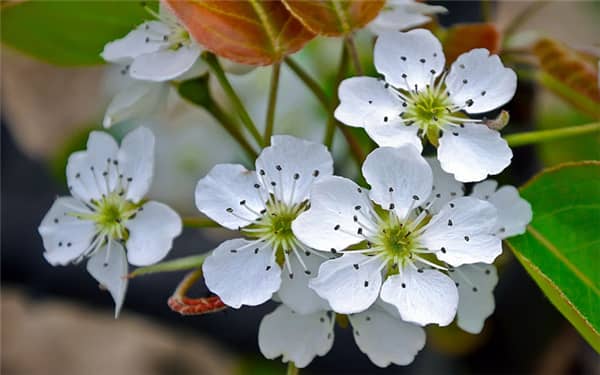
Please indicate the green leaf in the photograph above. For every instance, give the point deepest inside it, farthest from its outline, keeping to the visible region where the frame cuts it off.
(68, 32)
(561, 246)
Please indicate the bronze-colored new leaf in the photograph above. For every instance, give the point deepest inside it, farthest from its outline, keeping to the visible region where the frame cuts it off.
(254, 32)
(334, 17)
(464, 37)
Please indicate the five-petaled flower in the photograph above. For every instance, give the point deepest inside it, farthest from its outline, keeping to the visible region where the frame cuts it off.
(392, 246)
(398, 15)
(107, 218)
(418, 99)
(262, 205)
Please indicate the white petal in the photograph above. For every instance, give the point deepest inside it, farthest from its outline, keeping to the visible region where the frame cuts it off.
(298, 338)
(91, 173)
(291, 165)
(65, 237)
(230, 195)
(294, 291)
(399, 15)
(138, 100)
(151, 233)
(488, 83)
(408, 59)
(146, 38)
(444, 189)
(240, 275)
(476, 284)
(385, 339)
(514, 212)
(329, 224)
(473, 152)
(348, 283)
(136, 162)
(395, 134)
(398, 176)
(109, 267)
(365, 101)
(165, 64)
(422, 297)
(461, 232)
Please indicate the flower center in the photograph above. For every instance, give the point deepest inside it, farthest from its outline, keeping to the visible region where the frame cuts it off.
(111, 214)
(430, 109)
(276, 224)
(396, 241)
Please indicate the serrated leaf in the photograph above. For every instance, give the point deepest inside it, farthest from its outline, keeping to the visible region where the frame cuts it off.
(67, 32)
(334, 17)
(250, 32)
(561, 246)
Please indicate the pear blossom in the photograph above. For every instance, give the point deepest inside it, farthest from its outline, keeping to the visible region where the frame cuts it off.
(392, 248)
(157, 50)
(476, 282)
(398, 15)
(107, 219)
(418, 99)
(262, 205)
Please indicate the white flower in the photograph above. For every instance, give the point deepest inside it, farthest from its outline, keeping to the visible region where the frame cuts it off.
(417, 99)
(138, 100)
(398, 15)
(158, 50)
(378, 332)
(401, 251)
(106, 213)
(476, 282)
(263, 205)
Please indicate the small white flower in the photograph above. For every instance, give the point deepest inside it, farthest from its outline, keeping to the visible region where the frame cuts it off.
(401, 251)
(262, 205)
(398, 15)
(106, 212)
(158, 50)
(379, 333)
(476, 282)
(138, 100)
(417, 99)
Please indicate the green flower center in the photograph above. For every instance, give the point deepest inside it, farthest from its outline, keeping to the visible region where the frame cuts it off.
(430, 109)
(276, 224)
(111, 214)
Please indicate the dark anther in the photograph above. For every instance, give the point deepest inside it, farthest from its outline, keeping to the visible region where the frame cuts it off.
(242, 202)
(451, 205)
(229, 209)
(357, 208)
(432, 71)
(403, 75)
(333, 251)
(415, 197)
(474, 289)
(465, 81)
(456, 283)
(359, 231)
(59, 244)
(467, 238)
(387, 85)
(385, 119)
(273, 183)
(263, 211)
(356, 266)
(420, 270)
(392, 206)
(359, 190)
(296, 176)
(438, 195)
(233, 251)
(256, 251)
(278, 167)
(256, 186)
(78, 175)
(443, 250)
(355, 218)
(315, 173)
(483, 93)
(370, 102)
(422, 61)
(403, 285)
(322, 320)
(462, 66)
(105, 173)
(262, 172)
(366, 284)
(129, 179)
(469, 102)
(455, 134)
(56, 221)
(449, 223)
(336, 227)
(267, 268)
(307, 272)
(403, 58)
(404, 104)
(390, 189)
(69, 244)
(487, 272)
(291, 275)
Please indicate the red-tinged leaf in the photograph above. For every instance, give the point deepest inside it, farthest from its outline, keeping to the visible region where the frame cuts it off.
(462, 38)
(254, 32)
(334, 17)
(196, 306)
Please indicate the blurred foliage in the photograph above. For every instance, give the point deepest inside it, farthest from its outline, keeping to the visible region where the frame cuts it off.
(68, 32)
(462, 38)
(554, 115)
(454, 341)
(560, 247)
(259, 366)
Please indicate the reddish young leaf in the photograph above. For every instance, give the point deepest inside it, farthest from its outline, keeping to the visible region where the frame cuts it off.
(464, 37)
(254, 32)
(196, 306)
(334, 17)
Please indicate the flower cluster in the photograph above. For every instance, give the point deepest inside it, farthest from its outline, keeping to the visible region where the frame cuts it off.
(409, 250)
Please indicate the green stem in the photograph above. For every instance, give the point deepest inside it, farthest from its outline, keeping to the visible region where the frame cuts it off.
(292, 369)
(354, 54)
(308, 81)
(355, 148)
(528, 138)
(214, 64)
(228, 125)
(199, 222)
(185, 263)
(330, 128)
(270, 119)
